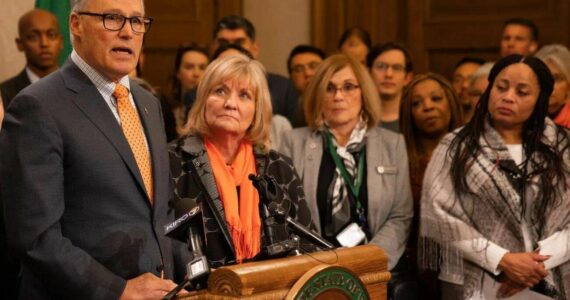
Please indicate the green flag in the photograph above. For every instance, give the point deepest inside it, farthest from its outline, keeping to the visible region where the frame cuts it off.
(61, 9)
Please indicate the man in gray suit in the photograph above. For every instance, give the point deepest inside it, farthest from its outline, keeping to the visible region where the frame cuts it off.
(41, 42)
(84, 169)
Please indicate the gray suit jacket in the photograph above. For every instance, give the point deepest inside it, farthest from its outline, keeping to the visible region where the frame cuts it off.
(77, 213)
(389, 193)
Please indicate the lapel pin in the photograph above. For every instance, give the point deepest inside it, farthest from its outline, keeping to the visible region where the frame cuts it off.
(145, 111)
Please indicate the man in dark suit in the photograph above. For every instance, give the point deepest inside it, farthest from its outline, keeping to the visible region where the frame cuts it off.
(239, 30)
(84, 169)
(41, 42)
(302, 64)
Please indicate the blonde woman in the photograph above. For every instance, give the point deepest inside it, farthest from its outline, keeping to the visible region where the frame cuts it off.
(226, 140)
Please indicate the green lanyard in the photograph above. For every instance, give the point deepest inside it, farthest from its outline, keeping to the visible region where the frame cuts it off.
(353, 187)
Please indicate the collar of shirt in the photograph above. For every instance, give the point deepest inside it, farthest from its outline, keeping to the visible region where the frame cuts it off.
(31, 75)
(105, 86)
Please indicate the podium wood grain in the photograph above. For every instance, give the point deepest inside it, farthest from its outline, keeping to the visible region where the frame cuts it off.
(272, 279)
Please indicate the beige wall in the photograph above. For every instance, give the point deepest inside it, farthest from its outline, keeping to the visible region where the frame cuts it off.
(11, 60)
(280, 25)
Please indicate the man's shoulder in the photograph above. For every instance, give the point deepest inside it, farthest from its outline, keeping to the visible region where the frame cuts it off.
(15, 84)
(18, 79)
(12, 86)
(47, 86)
(67, 80)
(55, 89)
(273, 78)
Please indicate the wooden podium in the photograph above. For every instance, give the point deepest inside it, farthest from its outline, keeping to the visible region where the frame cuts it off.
(346, 273)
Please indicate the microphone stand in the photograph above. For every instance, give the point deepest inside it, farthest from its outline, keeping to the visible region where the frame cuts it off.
(276, 221)
(308, 234)
(275, 230)
(177, 289)
(197, 270)
(267, 188)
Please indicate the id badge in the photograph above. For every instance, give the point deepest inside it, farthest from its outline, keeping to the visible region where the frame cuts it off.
(351, 235)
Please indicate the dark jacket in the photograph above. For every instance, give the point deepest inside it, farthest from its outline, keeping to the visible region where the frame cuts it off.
(77, 213)
(11, 87)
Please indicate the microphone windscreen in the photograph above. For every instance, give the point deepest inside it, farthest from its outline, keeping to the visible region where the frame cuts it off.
(178, 228)
(183, 206)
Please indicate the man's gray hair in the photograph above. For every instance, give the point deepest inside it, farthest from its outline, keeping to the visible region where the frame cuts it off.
(79, 5)
(557, 54)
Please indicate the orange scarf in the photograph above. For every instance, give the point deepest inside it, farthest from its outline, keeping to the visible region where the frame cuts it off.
(242, 216)
(563, 117)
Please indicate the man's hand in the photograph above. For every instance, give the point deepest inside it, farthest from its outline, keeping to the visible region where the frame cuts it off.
(147, 286)
(509, 288)
(525, 268)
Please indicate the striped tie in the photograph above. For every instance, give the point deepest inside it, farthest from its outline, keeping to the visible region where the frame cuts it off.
(132, 128)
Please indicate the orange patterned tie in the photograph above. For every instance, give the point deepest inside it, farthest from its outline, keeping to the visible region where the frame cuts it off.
(132, 128)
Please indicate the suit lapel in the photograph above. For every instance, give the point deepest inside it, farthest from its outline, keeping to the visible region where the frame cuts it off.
(13, 86)
(314, 154)
(90, 102)
(374, 183)
(22, 81)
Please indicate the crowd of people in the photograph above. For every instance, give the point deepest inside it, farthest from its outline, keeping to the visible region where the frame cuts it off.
(464, 183)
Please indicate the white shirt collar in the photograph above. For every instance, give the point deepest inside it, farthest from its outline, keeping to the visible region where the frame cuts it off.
(103, 85)
(31, 75)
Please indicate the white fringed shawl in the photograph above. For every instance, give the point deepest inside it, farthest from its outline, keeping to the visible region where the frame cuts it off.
(493, 211)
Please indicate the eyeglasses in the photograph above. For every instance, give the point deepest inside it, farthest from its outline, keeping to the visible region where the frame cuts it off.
(310, 66)
(116, 22)
(346, 89)
(396, 68)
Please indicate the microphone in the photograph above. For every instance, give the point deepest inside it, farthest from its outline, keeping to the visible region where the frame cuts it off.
(179, 228)
(187, 229)
(308, 234)
(275, 227)
(277, 213)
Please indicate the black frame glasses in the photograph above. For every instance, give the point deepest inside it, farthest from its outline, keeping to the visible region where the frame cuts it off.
(112, 21)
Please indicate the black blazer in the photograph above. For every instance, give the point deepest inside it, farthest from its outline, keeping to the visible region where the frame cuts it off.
(76, 210)
(284, 97)
(11, 87)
